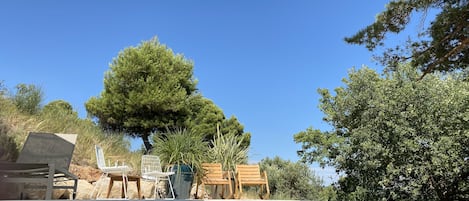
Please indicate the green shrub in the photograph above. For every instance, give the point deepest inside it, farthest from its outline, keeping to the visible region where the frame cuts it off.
(291, 180)
(180, 146)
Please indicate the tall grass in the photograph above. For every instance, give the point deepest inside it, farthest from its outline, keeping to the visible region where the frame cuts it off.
(15, 126)
(10, 122)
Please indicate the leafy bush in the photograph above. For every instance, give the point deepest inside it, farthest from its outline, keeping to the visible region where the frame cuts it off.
(291, 180)
(28, 98)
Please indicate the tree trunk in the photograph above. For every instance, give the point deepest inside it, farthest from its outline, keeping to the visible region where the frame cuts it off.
(147, 144)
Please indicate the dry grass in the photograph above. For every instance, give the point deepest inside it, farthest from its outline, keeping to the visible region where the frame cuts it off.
(15, 126)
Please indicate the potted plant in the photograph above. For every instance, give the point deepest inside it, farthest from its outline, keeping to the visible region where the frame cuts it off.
(184, 151)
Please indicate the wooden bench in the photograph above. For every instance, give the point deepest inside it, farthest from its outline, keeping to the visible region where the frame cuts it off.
(250, 175)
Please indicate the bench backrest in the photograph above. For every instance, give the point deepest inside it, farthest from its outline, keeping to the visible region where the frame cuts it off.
(248, 172)
(212, 170)
(48, 148)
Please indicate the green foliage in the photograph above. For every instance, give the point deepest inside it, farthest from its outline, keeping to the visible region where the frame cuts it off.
(28, 98)
(443, 46)
(291, 181)
(229, 150)
(233, 126)
(59, 106)
(393, 138)
(327, 193)
(180, 146)
(206, 117)
(146, 90)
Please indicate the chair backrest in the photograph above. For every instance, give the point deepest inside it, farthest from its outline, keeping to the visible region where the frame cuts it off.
(248, 172)
(48, 148)
(100, 160)
(212, 170)
(150, 163)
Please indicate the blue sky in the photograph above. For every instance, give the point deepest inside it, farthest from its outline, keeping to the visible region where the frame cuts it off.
(261, 61)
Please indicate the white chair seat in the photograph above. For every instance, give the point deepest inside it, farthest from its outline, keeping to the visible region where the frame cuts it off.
(158, 174)
(116, 169)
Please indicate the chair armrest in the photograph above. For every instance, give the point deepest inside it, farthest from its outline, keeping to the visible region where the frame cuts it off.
(67, 173)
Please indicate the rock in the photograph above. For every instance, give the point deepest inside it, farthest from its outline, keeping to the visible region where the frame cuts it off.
(87, 173)
(10, 191)
(84, 188)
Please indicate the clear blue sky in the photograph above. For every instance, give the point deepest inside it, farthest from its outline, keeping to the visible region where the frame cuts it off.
(261, 61)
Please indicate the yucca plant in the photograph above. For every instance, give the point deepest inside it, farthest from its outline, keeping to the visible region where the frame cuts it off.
(228, 149)
(180, 146)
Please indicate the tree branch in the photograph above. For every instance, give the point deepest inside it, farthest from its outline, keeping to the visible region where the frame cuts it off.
(464, 44)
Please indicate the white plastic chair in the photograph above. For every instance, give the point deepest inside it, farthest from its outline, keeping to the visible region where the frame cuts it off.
(151, 170)
(109, 169)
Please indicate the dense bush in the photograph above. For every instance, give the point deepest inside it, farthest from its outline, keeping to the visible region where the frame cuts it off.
(291, 180)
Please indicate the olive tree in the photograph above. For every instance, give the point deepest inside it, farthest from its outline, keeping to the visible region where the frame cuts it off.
(291, 180)
(393, 138)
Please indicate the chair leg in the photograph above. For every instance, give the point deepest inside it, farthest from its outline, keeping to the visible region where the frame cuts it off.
(156, 188)
(125, 181)
(222, 195)
(171, 188)
(75, 186)
(138, 189)
(240, 191)
(230, 189)
(268, 191)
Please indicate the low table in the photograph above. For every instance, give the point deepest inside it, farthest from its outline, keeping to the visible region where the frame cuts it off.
(119, 178)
